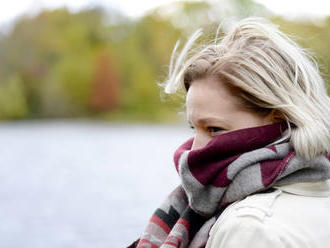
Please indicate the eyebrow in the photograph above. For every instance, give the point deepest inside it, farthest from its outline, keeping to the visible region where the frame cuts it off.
(209, 119)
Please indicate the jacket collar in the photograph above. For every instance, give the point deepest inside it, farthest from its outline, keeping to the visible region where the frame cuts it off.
(316, 189)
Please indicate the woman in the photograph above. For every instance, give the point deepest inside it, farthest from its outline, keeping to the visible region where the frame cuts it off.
(256, 172)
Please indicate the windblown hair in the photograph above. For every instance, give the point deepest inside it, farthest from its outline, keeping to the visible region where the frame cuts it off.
(268, 72)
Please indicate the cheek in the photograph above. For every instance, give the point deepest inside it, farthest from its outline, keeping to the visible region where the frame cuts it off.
(200, 140)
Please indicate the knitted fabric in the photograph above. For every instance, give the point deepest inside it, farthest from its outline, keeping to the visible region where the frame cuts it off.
(229, 168)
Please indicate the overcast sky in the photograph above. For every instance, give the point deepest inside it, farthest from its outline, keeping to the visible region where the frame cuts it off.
(134, 8)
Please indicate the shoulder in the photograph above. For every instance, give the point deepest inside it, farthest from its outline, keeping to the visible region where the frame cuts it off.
(246, 219)
(275, 219)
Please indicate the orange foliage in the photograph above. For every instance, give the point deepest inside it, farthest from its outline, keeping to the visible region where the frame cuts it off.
(105, 83)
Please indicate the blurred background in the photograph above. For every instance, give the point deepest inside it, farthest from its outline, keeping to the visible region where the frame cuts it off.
(86, 134)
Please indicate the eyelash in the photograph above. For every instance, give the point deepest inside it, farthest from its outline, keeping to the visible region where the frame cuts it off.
(191, 127)
(212, 129)
(209, 129)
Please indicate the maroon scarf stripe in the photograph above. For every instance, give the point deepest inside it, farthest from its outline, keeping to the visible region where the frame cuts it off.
(213, 172)
(270, 170)
(231, 144)
(208, 166)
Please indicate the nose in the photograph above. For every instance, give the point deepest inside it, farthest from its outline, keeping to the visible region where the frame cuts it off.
(200, 140)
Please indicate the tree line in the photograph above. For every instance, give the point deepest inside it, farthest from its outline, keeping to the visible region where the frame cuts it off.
(98, 63)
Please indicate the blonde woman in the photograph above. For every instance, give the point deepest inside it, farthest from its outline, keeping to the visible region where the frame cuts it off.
(256, 172)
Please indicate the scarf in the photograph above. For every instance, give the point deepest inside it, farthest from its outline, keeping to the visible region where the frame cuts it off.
(230, 167)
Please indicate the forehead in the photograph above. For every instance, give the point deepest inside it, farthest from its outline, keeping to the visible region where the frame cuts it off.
(208, 97)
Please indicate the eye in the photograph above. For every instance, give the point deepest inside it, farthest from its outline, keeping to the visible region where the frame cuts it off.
(192, 127)
(214, 130)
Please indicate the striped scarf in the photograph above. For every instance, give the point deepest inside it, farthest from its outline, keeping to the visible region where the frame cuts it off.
(230, 167)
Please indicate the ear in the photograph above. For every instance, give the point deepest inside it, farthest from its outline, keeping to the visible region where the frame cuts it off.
(276, 116)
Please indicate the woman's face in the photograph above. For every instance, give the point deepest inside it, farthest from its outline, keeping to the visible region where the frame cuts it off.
(212, 110)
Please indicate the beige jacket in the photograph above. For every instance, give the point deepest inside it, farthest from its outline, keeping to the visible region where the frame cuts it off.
(296, 215)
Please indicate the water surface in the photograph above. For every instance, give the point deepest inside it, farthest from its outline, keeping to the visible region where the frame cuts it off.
(83, 184)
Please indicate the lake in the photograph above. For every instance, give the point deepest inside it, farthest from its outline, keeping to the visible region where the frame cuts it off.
(83, 183)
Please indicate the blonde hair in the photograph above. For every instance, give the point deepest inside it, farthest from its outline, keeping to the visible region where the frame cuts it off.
(269, 72)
